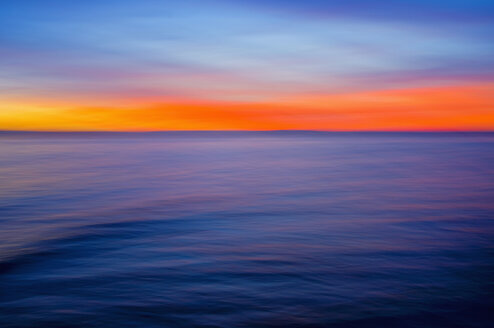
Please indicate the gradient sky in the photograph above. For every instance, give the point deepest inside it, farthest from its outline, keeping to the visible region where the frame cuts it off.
(255, 65)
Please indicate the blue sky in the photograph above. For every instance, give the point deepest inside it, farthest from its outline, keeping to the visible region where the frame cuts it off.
(248, 46)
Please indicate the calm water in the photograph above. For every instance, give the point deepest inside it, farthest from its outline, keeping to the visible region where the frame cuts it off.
(344, 230)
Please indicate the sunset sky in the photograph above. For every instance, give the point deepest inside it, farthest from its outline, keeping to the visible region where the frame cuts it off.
(246, 65)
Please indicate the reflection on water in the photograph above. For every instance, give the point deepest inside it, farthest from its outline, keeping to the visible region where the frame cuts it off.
(339, 230)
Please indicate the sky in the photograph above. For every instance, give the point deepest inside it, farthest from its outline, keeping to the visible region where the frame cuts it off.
(136, 65)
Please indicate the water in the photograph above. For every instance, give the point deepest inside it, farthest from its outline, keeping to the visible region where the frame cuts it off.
(246, 230)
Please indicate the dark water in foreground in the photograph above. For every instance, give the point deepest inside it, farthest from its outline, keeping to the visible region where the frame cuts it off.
(344, 230)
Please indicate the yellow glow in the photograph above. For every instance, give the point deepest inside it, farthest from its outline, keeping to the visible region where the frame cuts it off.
(444, 108)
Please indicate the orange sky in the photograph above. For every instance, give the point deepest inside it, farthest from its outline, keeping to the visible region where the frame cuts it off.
(468, 107)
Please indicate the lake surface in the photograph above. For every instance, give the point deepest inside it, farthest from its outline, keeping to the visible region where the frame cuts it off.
(246, 230)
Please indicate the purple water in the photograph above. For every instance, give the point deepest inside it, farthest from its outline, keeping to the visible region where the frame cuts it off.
(246, 230)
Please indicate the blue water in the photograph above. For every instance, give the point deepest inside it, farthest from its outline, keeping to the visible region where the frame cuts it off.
(246, 230)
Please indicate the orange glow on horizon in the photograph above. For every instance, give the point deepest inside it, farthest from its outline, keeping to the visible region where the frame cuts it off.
(440, 108)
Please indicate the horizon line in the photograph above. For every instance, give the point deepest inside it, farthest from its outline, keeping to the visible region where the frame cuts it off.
(245, 131)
